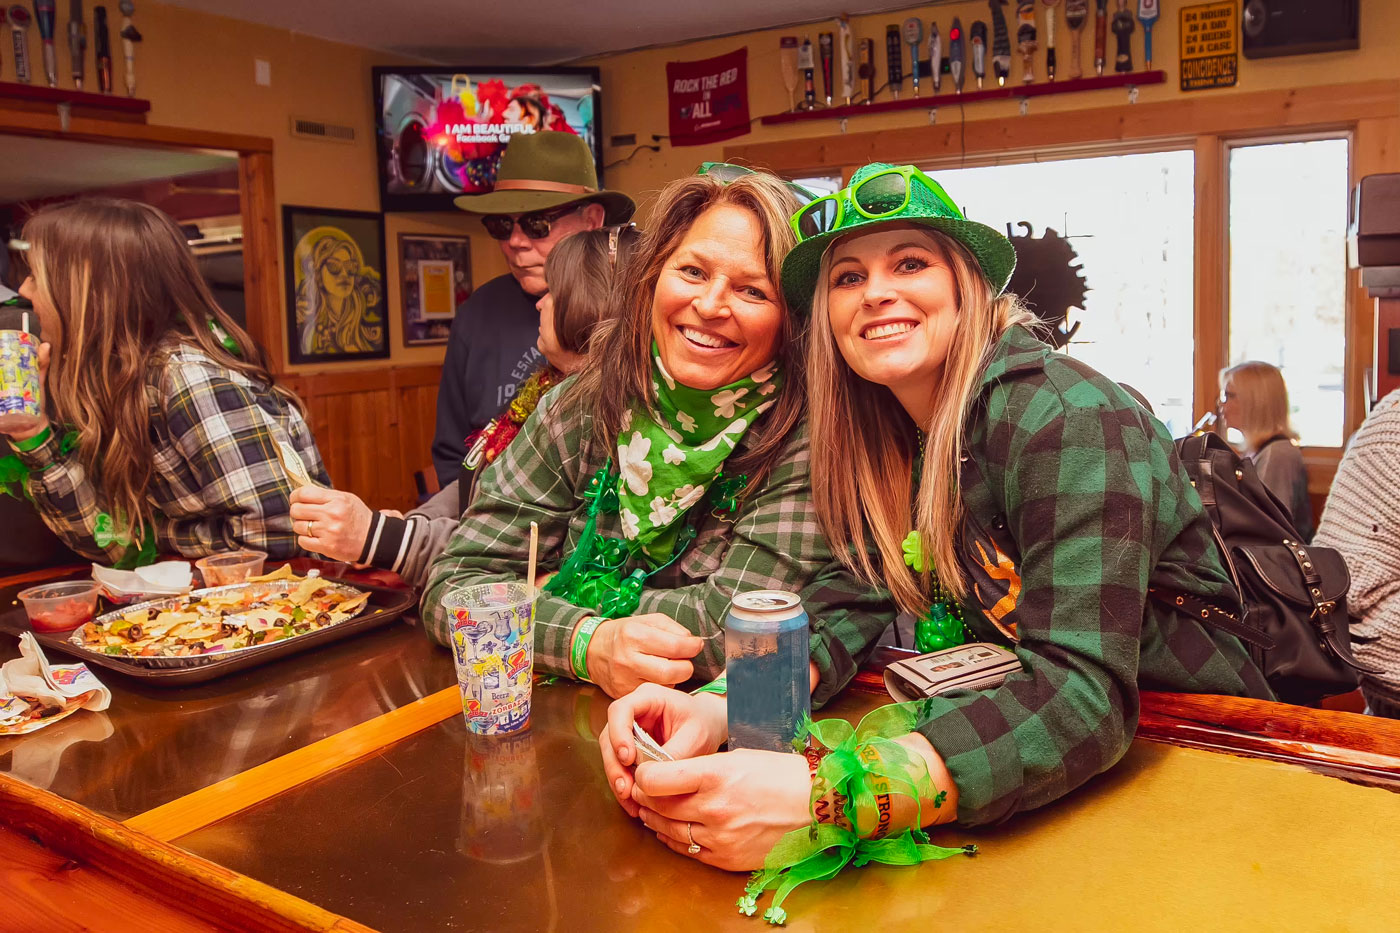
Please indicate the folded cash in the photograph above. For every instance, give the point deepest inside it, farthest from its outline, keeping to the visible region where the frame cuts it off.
(647, 747)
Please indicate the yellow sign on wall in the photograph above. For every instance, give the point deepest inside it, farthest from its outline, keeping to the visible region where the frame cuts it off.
(1210, 48)
(436, 285)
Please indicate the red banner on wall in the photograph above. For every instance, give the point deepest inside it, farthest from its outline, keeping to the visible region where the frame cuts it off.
(708, 100)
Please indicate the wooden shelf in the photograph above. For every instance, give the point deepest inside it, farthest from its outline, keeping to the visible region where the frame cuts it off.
(38, 97)
(1009, 92)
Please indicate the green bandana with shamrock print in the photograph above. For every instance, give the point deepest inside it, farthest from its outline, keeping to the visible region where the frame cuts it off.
(667, 459)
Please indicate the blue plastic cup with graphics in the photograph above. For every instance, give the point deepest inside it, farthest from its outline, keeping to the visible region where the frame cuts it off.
(494, 649)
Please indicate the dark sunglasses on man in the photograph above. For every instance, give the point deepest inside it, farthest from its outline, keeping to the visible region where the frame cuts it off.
(535, 225)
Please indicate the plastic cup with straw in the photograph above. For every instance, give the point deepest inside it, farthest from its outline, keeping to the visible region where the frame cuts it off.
(493, 647)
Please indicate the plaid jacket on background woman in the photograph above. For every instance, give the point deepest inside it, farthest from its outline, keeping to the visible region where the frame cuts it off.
(218, 482)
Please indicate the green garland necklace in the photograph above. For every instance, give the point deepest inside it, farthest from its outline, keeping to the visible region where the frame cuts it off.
(595, 575)
(942, 626)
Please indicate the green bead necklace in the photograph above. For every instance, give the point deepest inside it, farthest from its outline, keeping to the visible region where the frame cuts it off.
(942, 626)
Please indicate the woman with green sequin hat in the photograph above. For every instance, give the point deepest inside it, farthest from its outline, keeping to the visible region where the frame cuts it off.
(671, 472)
(1003, 492)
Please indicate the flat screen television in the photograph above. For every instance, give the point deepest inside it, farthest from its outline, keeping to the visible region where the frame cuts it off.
(441, 131)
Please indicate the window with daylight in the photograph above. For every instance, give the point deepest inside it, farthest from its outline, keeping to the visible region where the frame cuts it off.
(1129, 220)
(1288, 217)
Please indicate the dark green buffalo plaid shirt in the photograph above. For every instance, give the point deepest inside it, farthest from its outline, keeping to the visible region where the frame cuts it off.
(774, 542)
(1075, 503)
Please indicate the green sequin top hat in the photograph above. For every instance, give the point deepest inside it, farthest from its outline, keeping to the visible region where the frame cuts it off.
(881, 193)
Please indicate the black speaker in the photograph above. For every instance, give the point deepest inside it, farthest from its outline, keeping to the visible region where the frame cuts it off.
(1298, 27)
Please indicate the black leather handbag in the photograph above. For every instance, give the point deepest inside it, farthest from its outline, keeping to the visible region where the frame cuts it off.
(1295, 621)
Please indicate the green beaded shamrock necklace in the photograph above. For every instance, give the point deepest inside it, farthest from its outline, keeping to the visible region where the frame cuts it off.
(942, 626)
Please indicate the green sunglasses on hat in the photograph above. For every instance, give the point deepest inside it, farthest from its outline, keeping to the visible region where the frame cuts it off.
(728, 173)
(880, 193)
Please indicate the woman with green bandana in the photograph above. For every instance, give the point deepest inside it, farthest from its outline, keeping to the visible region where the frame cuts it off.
(672, 472)
(1004, 493)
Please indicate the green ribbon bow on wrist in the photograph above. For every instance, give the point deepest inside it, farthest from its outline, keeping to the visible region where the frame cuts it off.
(821, 850)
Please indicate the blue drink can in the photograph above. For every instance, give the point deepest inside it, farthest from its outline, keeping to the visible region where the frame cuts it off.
(767, 664)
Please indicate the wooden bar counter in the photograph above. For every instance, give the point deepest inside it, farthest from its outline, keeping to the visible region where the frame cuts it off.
(154, 745)
(345, 783)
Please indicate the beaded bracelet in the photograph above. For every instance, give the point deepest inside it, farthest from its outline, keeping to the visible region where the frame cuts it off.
(578, 653)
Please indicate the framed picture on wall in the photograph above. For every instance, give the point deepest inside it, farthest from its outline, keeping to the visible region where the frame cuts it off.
(435, 273)
(336, 307)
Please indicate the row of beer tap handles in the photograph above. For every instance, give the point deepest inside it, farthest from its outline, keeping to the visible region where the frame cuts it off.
(18, 18)
(835, 51)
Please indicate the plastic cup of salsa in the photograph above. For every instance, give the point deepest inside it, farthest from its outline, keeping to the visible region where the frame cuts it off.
(234, 567)
(60, 607)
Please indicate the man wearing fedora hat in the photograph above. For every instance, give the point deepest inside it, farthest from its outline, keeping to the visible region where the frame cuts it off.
(546, 189)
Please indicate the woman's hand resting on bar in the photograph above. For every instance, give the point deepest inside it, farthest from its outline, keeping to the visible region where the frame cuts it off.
(737, 803)
(734, 805)
(645, 649)
(686, 726)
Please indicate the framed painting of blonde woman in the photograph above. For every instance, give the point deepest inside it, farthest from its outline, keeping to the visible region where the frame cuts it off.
(336, 306)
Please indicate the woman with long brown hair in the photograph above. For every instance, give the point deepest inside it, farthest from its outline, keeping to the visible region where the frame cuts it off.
(164, 428)
(1009, 494)
(670, 473)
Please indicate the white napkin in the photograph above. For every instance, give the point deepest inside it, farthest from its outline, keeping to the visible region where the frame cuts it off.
(31, 675)
(167, 578)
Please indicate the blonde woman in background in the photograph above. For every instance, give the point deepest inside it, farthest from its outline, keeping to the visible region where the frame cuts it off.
(1254, 401)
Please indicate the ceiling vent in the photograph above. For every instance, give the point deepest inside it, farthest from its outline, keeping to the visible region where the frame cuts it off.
(317, 129)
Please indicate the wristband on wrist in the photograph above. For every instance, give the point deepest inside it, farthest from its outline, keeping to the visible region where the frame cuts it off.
(719, 685)
(29, 443)
(876, 824)
(578, 653)
(828, 805)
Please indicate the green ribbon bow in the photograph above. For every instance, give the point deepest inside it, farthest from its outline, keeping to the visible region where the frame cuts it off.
(14, 474)
(820, 851)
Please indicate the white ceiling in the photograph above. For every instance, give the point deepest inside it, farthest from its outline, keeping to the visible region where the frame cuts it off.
(41, 168)
(526, 32)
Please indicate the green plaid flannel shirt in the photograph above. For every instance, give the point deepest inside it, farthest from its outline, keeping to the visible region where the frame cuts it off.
(773, 543)
(218, 483)
(1075, 503)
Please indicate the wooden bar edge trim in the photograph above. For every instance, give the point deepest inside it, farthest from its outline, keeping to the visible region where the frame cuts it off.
(105, 845)
(1361, 748)
(208, 805)
(44, 574)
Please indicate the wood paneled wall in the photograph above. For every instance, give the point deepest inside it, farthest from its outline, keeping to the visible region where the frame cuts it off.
(374, 428)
